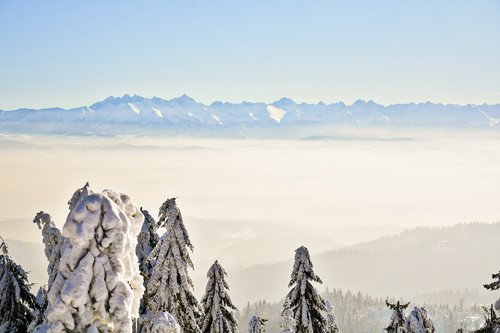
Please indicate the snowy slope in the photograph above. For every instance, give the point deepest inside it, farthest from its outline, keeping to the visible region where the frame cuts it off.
(131, 114)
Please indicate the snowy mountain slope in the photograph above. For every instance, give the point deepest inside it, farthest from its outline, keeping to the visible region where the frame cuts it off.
(132, 114)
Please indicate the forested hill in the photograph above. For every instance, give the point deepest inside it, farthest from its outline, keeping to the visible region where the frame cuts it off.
(422, 260)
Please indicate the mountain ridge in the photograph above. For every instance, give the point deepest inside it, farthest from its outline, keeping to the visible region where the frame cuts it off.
(135, 114)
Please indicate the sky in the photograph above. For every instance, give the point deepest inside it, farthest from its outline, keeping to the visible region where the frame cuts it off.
(74, 53)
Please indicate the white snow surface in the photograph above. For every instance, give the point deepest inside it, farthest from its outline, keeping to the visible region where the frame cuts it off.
(418, 321)
(159, 322)
(134, 108)
(98, 287)
(217, 119)
(157, 112)
(275, 113)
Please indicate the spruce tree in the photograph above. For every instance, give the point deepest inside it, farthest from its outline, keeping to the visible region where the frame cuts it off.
(146, 242)
(169, 287)
(305, 302)
(219, 310)
(17, 305)
(98, 285)
(397, 324)
(257, 325)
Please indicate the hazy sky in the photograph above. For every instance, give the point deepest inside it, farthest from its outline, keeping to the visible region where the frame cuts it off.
(71, 53)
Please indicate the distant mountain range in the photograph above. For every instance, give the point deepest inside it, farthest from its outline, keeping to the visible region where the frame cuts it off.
(139, 115)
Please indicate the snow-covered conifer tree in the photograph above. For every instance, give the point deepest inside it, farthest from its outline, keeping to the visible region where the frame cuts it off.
(169, 287)
(146, 241)
(397, 324)
(219, 309)
(331, 319)
(288, 322)
(53, 241)
(79, 193)
(257, 325)
(307, 305)
(17, 304)
(98, 286)
(159, 322)
(418, 321)
(39, 313)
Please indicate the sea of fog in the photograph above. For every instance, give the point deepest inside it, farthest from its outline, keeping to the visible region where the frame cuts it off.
(250, 201)
(322, 183)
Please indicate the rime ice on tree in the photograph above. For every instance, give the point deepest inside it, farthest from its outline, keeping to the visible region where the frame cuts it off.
(257, 325)
(219, 309)
(159, 322)
(98, 286)
(146, 241)
(17, 304)
(331, 319)
(397, 324)
(80, 193)
(169, 287)
(305, 302)
(53, 241)
(418, 321)
(288, 322)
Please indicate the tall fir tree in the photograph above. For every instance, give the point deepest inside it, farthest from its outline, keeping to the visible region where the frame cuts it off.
(17, 304)
(219, 310)
(307, 305)
(169, 287)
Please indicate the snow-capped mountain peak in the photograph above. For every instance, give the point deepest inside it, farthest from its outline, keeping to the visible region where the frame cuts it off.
(133, 113)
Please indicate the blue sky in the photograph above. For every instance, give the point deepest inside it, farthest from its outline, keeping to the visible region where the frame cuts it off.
(72, 53)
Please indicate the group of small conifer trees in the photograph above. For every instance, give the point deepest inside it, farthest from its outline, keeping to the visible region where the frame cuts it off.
(111, 271)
